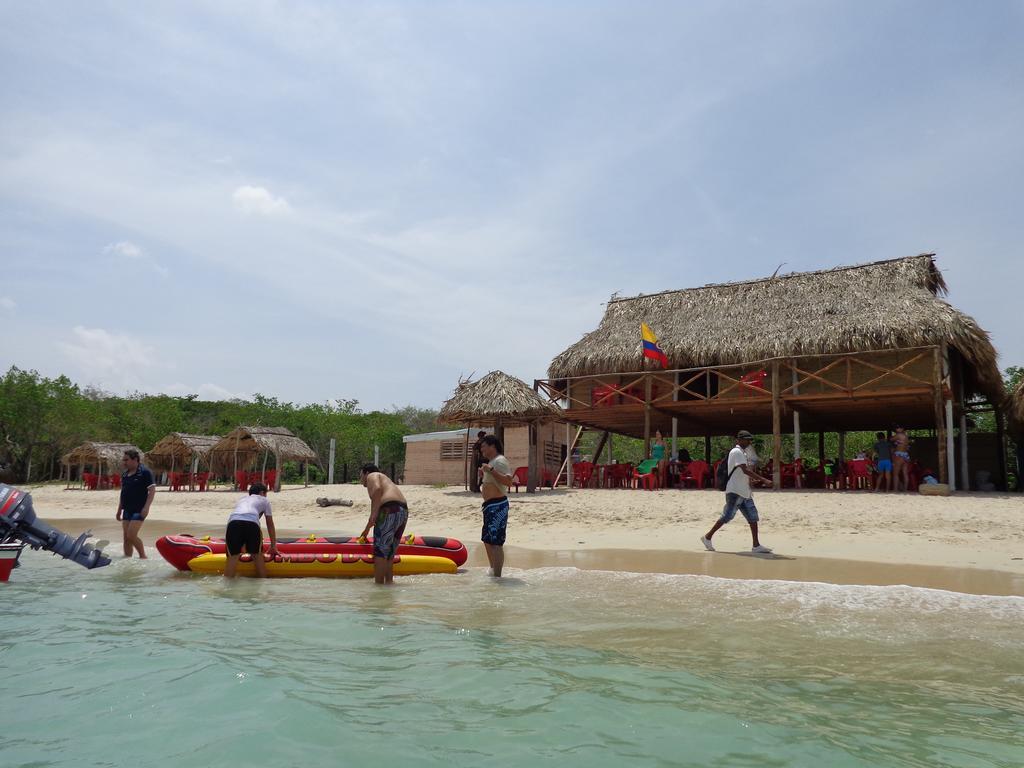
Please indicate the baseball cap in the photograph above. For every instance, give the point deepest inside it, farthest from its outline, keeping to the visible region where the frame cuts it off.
(744, 435)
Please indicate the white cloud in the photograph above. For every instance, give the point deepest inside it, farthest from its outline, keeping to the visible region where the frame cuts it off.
(113, 360)
(258, 200)
(124, 248)
(7, 304)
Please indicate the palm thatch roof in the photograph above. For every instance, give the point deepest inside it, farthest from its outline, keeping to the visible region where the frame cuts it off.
(1016, 411)
(246, 444)
(95, 453)
(883, 305)
(178, 449)
(497, 396)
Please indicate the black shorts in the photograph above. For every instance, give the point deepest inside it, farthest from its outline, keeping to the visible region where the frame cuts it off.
(243, 533)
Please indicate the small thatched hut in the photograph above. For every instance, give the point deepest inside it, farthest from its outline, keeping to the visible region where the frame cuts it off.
(500, 400)
(103, 459)
(249, 448)
(860, 347)
(180, 451)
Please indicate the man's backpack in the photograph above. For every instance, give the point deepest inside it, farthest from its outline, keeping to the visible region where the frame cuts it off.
(722, 474)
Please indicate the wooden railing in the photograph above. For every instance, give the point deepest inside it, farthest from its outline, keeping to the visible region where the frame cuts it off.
(849, 375)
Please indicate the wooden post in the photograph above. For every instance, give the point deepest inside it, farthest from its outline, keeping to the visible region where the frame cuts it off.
(611, 453)
(499, 431)
(263, 470)
(961, 394)
(965, 483)
(601, 441)
(647, 417)
(279, 474)
(796, 420)
(821, 450)
(1001, 453)
(330, 464)
(465, 459)
(776, 429)
(940, 416)
(842, 448)
(947, 379)
(568, 465)
(531, 458)
(675, 421)
(305, 466)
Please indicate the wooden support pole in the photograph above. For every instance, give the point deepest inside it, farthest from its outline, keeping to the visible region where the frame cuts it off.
(842, 448)
(330, 463)
(947, 378)
(532, 469)
(465, 460)
(707, 449)
(647, 417)
(821, 449)
(776, 428)
(568, 464)
(604, 438)
(940, 416)
(961, 395)
(796, 421)
(675, 421)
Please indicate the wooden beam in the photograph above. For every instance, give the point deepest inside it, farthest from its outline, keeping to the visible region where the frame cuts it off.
(600, 444)
(531, 458)
(940, 415)
(647, 418)
(776, 428)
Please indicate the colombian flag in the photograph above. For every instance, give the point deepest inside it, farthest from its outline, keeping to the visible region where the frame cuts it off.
(651, 348)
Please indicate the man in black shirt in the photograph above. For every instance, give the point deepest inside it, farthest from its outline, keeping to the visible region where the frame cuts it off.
(137, 492)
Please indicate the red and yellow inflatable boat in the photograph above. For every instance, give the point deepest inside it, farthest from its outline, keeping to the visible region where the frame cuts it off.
(183, 550)
(332, 566)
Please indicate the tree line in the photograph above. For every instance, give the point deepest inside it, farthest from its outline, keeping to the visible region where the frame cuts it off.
(41, 419)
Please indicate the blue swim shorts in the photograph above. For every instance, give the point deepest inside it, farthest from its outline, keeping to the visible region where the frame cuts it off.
(130, 517)
(387, 532)
(884, 465)
(495, 520)
(734, 501)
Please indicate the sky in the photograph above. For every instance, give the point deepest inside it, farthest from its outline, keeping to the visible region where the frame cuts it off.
(370, 201)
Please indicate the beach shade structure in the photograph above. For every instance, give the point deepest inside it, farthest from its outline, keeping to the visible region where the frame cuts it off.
(179, 453)
(864, 347)
(500, 401)
(248, 449)
(103, 458)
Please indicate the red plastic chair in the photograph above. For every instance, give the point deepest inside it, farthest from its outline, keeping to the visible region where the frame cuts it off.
(242, 480)
(520, 477)
(270, 479)
(858, 474)
(755, 379)
(90, 481)
(792, 474)
(582, 474)
(603, 397)
(697, 472)
(115, 481)
(201, 480)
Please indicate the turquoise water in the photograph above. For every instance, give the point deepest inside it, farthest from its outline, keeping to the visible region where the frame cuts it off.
(137, 665)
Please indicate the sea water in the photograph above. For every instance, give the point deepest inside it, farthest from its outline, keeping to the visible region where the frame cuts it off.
(139, 665)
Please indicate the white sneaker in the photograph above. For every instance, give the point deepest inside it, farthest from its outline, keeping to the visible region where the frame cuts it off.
(761, 549)
(707, 543)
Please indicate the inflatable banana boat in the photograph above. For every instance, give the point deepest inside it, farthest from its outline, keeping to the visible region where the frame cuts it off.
(323, 565)
(182, 549)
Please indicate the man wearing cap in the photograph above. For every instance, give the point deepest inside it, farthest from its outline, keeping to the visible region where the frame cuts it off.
(738, 494)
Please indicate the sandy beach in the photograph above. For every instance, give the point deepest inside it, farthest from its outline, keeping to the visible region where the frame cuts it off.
(966, 542)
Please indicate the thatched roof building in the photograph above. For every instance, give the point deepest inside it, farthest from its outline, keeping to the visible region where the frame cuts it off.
(102, 458)
(502, 401)
(179, 449)
(497, 398)
(244, 447)
(94, 454)
(893, 304)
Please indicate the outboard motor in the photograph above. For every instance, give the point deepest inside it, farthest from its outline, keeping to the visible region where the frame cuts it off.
(18, 522)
